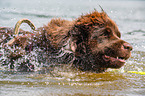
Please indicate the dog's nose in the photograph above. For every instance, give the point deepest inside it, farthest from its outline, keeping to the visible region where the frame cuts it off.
(127, 46)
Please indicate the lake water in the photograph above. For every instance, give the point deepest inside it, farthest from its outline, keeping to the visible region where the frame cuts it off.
(129, 16)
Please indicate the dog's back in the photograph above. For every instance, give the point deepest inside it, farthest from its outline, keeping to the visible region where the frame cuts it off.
(54, 34)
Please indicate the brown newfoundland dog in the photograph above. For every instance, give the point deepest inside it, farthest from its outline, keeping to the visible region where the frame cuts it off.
(90, 43)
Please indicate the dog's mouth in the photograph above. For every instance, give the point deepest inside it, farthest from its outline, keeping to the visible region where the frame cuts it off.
(121, 59)
(114, 62)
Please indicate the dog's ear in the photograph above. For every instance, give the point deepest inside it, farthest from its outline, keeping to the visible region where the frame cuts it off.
(79, 36)
(80, 33)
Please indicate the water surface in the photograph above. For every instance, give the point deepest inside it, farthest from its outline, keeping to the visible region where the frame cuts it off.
(129, 16)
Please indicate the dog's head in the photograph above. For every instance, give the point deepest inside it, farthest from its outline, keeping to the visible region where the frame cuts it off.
(97, 43)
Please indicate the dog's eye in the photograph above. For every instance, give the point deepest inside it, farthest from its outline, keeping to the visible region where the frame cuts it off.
(106, 33)
(94, 37)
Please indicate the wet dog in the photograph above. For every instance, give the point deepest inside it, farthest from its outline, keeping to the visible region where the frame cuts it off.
(92, 42)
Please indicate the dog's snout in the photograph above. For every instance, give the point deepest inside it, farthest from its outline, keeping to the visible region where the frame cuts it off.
(127, 46)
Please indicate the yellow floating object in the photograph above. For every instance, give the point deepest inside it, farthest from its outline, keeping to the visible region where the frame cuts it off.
(17, 27)
(142, 73)
(18, 24)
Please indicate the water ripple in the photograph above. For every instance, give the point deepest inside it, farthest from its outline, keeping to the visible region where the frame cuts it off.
(41, 15)
(135, 31)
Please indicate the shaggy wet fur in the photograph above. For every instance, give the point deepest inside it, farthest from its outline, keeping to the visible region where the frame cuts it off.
(94, 42)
